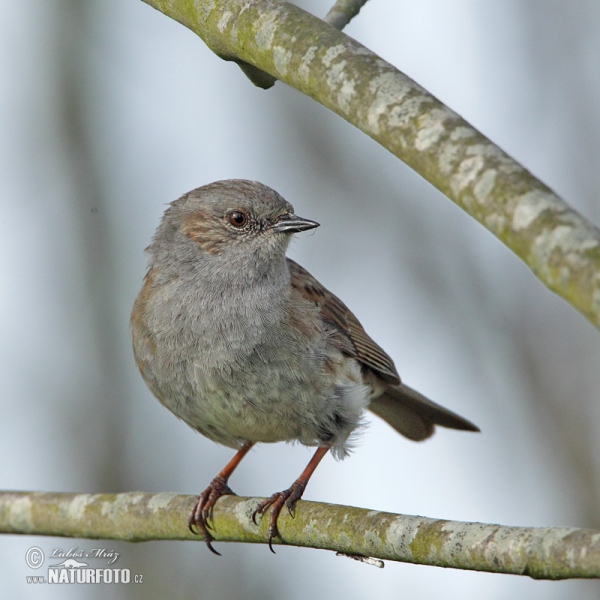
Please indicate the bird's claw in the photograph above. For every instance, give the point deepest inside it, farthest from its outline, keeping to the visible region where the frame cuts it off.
(276, 502)
(198, 521)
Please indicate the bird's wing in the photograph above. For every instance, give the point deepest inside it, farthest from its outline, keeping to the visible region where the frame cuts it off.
(352, 339)
(410, 413)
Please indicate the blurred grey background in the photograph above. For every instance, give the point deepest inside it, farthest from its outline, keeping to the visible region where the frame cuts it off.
(108, 110)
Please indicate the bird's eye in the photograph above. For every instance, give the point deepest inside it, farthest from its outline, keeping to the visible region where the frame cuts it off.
(237, 218)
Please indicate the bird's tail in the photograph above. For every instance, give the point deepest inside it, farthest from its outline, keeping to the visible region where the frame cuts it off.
(413, 415)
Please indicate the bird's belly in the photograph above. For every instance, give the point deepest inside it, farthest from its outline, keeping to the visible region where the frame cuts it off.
(261, 403)
(308, 394)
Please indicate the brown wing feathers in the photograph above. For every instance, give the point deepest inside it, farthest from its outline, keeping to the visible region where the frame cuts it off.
(354, 339)
(406, 410)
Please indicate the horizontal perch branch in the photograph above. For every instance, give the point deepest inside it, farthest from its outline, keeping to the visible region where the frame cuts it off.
(540, 552)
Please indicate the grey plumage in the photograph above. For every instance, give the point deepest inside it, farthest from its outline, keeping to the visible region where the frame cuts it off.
(228, 338)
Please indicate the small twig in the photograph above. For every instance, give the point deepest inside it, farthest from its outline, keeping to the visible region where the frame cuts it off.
(368, 560)
(342, 12)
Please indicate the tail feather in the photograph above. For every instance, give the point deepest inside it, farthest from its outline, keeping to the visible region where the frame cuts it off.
(413, 415)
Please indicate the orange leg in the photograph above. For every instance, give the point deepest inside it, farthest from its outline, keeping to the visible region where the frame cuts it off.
(288, 497)
(218, 487)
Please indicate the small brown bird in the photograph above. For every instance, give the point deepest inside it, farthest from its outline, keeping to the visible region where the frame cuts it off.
(246, 346)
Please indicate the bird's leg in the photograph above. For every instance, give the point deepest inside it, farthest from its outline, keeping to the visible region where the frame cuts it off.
(202, 511)
(288, 497)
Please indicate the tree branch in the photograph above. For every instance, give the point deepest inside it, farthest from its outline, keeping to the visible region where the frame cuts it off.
(342, 12)
(541, 553)
(289, 44)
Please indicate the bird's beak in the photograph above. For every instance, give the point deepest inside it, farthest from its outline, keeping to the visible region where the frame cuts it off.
(291, 223)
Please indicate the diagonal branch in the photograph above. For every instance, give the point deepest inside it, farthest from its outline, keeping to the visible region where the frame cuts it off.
(541, 553)
(289, 44)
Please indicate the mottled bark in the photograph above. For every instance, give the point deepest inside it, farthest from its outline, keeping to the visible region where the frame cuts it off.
(539, 552)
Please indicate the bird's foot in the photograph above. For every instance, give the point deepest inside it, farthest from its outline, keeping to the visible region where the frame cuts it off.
(288, 498)
(202, 511)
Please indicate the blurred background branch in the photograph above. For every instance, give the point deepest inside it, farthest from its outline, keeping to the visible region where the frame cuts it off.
(539, 552)
(560, 246)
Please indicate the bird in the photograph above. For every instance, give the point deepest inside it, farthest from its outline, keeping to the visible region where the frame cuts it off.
(245, 346)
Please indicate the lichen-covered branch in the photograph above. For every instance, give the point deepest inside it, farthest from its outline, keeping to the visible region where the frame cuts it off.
(541, 553)
(342, 12)
(287, 43)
